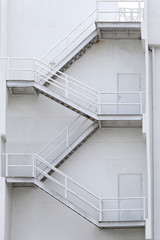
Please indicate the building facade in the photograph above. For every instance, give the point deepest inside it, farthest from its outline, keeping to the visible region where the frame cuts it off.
(79, 120)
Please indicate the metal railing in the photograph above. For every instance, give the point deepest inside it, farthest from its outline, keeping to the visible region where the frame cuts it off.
(74, 90)
(106, 10)
(102, 209)
(69, 42)
(65, 139)
(120, 11)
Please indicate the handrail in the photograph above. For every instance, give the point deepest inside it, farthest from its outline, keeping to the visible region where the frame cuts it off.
(74, 89)
(98, 206)
(64, 175)
(54, 69)
(44, 55)
(62, 185)
(120, 1)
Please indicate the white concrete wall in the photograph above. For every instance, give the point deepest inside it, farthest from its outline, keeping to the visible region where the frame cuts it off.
(99, 67)
(153, 22)
(32, 121)
(35, 26)
(95, 165)
(37, 215)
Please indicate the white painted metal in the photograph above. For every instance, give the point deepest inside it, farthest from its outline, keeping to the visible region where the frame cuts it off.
(129, 185)
(120, 11)
(71, 41)
(78, 196)
(67, 88)
(65, 143)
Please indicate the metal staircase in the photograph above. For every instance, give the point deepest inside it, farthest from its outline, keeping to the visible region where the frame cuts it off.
(72, 46)
(70, 92)
(102, 212)
(67, 142)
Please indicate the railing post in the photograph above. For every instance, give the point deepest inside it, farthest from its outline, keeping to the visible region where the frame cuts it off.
(34, 70)
(33, 166)
(6, 165)
(66, 183)
(8, 66)
(144, 207)
(99, 103)
(140, 101)
(100, 210)
(66, 86)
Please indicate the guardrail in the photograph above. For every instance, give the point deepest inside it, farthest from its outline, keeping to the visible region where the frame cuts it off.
(120, 11)
(102, 209)
(74, 90)
(65, 138)
(70, 41)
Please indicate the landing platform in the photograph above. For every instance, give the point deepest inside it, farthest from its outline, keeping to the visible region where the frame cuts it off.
(119, 30)
(122, 224)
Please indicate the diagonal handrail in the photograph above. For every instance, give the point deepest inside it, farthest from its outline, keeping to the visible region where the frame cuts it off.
(71, 188)
(51, 53)
(75, 91)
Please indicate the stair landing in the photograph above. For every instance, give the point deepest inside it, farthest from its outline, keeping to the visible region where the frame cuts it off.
(119, 30)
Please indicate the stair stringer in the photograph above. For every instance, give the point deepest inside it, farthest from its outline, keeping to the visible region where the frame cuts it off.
(65, 202)
(109, 224)
(65, 102)
(54, 96)
(78, 52)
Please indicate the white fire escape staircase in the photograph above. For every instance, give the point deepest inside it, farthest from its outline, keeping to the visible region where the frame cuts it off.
(45, 76)
(102, 212)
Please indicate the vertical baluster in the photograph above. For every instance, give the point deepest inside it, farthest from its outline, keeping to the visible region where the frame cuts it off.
(99, 103)
(33, 166)
(140, 102)
(144, 208)
(6, 165)
(100, 210)
(8, 70)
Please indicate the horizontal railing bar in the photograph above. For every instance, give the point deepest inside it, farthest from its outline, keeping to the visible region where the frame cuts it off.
(123, 198)
(129, 1)
(121, 93)
(119, 210)
(20, 70)
(18, 154)
(119, 12)
(20, 58)
(20, 165)
(119, 104)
